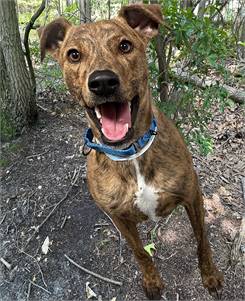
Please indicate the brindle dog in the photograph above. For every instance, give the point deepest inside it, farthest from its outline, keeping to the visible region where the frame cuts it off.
(105, 68)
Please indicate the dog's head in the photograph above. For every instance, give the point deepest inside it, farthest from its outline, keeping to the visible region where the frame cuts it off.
(104, 66)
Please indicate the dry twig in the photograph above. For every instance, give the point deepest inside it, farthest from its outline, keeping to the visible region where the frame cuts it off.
(243, 188)
(37, 155)
(8, 265)
(92, 273)
(44, 109)
(167, 258)
(63, 222)
(44, 289)
(3, 219)
(37, 229)
(28, 291)
(40, 270)
(120, 235)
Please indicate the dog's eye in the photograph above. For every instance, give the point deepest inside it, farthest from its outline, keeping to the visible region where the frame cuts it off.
(125, 46)
(74, 56)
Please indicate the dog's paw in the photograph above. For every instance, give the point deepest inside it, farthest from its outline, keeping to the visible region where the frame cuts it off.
(214, 283)
(153, 287)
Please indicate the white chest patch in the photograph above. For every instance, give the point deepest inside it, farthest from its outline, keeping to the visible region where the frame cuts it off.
(146, 196)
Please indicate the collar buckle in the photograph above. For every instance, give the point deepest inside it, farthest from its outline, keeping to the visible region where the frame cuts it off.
(153, 132)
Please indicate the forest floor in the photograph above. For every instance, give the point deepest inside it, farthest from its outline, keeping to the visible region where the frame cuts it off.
(44, 194)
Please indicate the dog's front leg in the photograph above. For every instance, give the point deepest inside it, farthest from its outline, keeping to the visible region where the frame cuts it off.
(212, 279)
(152, 282)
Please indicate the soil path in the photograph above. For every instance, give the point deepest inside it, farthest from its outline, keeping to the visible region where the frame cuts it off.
(40, 167)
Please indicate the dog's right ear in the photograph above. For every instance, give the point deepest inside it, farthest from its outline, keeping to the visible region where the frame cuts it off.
(51, 37)
(144, 18)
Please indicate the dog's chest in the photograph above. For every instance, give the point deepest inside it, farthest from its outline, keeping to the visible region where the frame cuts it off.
(146, 196)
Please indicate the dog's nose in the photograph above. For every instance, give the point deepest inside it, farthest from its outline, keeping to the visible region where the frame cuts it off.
(103, 83)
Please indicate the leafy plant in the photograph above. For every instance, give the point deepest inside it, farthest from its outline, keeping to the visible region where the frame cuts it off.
(201, 47)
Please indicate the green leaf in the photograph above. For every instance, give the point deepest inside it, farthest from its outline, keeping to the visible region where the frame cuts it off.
(241, 43)
(212, 59)
(149, 248)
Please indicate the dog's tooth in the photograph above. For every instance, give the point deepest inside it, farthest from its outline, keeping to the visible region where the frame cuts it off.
(129, 106)
(97, 112)
(126, 126)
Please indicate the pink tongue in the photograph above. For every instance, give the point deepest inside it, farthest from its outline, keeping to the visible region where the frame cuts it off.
(115, 117)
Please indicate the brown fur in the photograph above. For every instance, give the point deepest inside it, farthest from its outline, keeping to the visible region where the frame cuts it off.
(167, 164)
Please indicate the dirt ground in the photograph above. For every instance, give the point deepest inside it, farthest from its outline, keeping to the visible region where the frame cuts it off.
(44, 194)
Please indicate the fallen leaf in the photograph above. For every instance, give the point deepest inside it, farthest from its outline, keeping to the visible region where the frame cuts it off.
(223, 191)
(45, 246)
(90, 293)
(148, 248)
(214, 205)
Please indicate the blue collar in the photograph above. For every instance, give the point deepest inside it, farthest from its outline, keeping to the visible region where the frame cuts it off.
(133, 151)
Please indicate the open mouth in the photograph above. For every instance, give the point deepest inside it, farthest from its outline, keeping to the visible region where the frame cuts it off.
(115, 120)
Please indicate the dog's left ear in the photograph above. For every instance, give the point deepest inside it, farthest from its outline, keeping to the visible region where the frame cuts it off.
(143, 18)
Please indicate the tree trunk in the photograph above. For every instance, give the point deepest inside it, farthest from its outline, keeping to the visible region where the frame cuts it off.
(201, 8)
(235, 94)
(242, 39)
(109, 9)
(85, 11)
(58, 7)
(161, 50)
(241, 48)
(238, 29)
(186, 4)
(17, 92)
(69, 2)
(163, 67)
